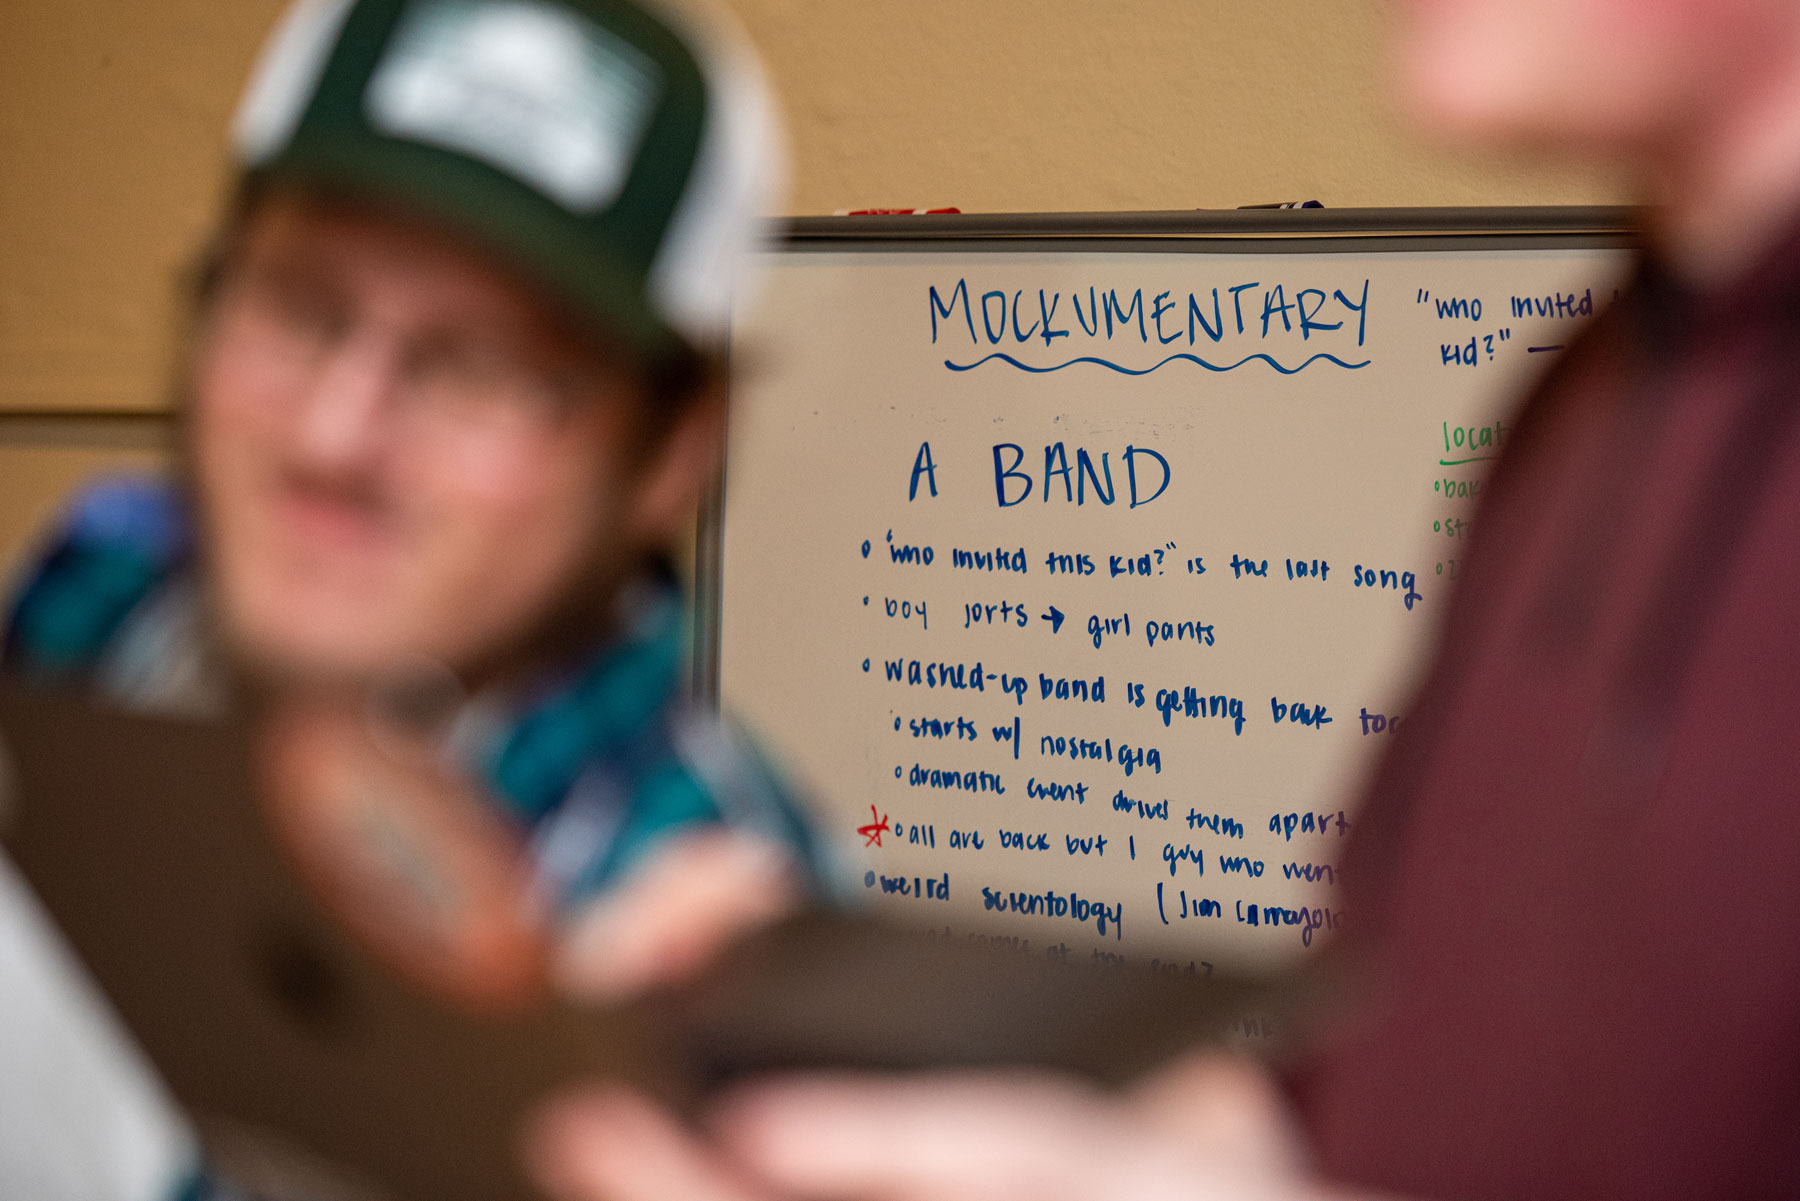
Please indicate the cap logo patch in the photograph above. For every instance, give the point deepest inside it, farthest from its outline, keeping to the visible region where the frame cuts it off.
(536, 91)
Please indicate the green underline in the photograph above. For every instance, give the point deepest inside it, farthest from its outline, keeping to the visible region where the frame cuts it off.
(1460, 462)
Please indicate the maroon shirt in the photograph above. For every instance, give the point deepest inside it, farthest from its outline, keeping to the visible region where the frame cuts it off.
(1577, 877)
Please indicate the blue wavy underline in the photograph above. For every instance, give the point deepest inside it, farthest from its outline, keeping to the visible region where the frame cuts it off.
(1122, 370)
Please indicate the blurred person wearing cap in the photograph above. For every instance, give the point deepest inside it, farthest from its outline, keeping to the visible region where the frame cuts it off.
(1575, 882)
(453, 384)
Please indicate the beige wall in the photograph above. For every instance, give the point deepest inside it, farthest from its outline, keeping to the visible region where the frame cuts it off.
(112, 116)
(1045, 105)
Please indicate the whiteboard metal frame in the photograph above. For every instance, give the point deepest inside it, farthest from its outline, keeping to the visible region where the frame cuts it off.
(1196, 231)
(1355, 225)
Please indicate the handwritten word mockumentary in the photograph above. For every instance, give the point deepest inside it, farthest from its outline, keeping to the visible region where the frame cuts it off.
(1101, 322)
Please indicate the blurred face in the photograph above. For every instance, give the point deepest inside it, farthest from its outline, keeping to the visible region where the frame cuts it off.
(1630, 76)
(398, 454)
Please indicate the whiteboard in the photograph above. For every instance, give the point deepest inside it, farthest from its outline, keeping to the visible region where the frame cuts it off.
(1081, 574)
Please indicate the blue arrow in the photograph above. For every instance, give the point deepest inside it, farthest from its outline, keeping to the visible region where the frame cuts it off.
(1055, 618)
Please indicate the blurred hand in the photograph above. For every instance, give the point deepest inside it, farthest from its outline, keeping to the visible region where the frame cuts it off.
(410, 858)
(1208, 1127)
(664, 921)
(424, 870)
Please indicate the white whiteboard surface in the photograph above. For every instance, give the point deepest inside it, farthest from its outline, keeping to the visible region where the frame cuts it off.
(1359, 447)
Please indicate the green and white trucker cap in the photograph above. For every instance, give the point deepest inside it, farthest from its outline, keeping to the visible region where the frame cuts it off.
(619, 154)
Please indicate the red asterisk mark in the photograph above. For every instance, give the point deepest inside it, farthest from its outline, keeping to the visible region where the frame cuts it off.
(875, 829)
